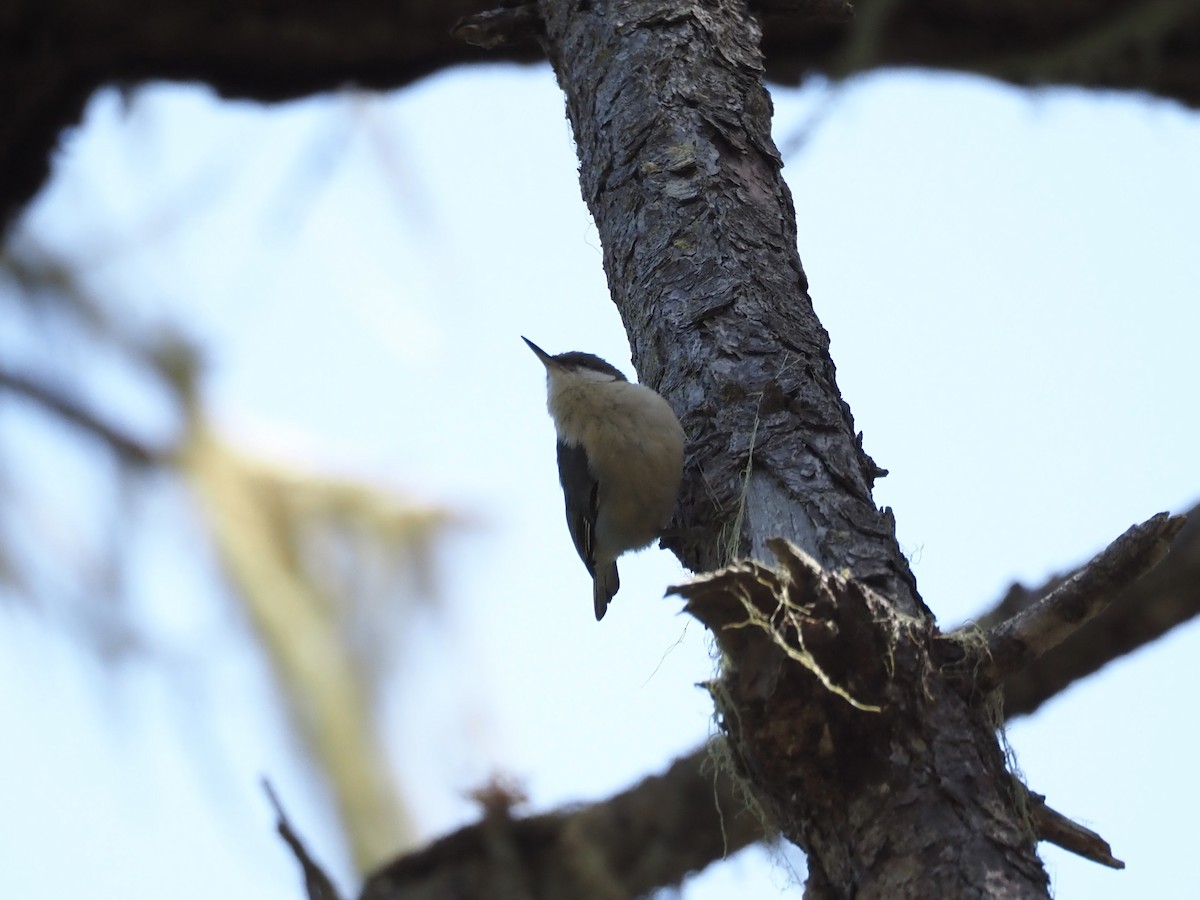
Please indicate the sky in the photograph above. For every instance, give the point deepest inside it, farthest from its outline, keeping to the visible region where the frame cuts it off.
(1008, 278)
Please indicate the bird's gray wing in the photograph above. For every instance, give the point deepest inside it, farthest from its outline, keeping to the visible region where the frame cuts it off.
(580, 492)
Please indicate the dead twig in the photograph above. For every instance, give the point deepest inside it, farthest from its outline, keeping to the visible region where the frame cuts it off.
(316, 882)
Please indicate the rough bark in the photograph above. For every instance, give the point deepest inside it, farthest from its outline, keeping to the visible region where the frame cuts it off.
(54, 53)
(672, 126)
(856, 743)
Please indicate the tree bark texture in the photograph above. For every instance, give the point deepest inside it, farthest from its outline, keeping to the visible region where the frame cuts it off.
(55, 53)
(672, 126)
(896, 789)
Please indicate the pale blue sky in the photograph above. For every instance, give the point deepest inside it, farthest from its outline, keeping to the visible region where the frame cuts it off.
(1009, 279)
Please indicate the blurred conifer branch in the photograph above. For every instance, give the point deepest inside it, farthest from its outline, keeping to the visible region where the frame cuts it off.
(328, 570)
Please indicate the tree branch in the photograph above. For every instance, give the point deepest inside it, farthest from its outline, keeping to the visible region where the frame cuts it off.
(1149, 607)
(647, 837)
(675, 159)
(1014, 643)
(55, 53)
(1056, 828)
(672, 123)
(316, 883)
(128, 449)
(1142, 612)
(829, 697)
(832, 707)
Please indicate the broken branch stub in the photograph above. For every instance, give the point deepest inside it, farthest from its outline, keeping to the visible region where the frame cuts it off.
(764, 617)
(855, 744)
(1053, 826)
(808, 662)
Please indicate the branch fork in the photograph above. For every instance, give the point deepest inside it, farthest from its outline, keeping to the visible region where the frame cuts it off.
(807, 652)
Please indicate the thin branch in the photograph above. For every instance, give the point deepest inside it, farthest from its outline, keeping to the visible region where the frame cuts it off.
(1026, 636)
(1053, 826)
(129, 449)
(316, 882)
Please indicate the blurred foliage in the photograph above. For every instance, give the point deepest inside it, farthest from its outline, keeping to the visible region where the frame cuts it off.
(327, 571)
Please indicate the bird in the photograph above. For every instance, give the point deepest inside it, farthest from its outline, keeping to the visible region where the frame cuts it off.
(620, 461)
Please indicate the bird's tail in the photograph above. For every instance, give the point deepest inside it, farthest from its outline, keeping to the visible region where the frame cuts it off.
(605, 584)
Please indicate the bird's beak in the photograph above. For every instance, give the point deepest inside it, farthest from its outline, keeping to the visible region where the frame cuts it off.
(546, 358)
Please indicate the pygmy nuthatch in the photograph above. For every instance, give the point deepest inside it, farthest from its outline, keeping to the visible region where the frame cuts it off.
(620, 461)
